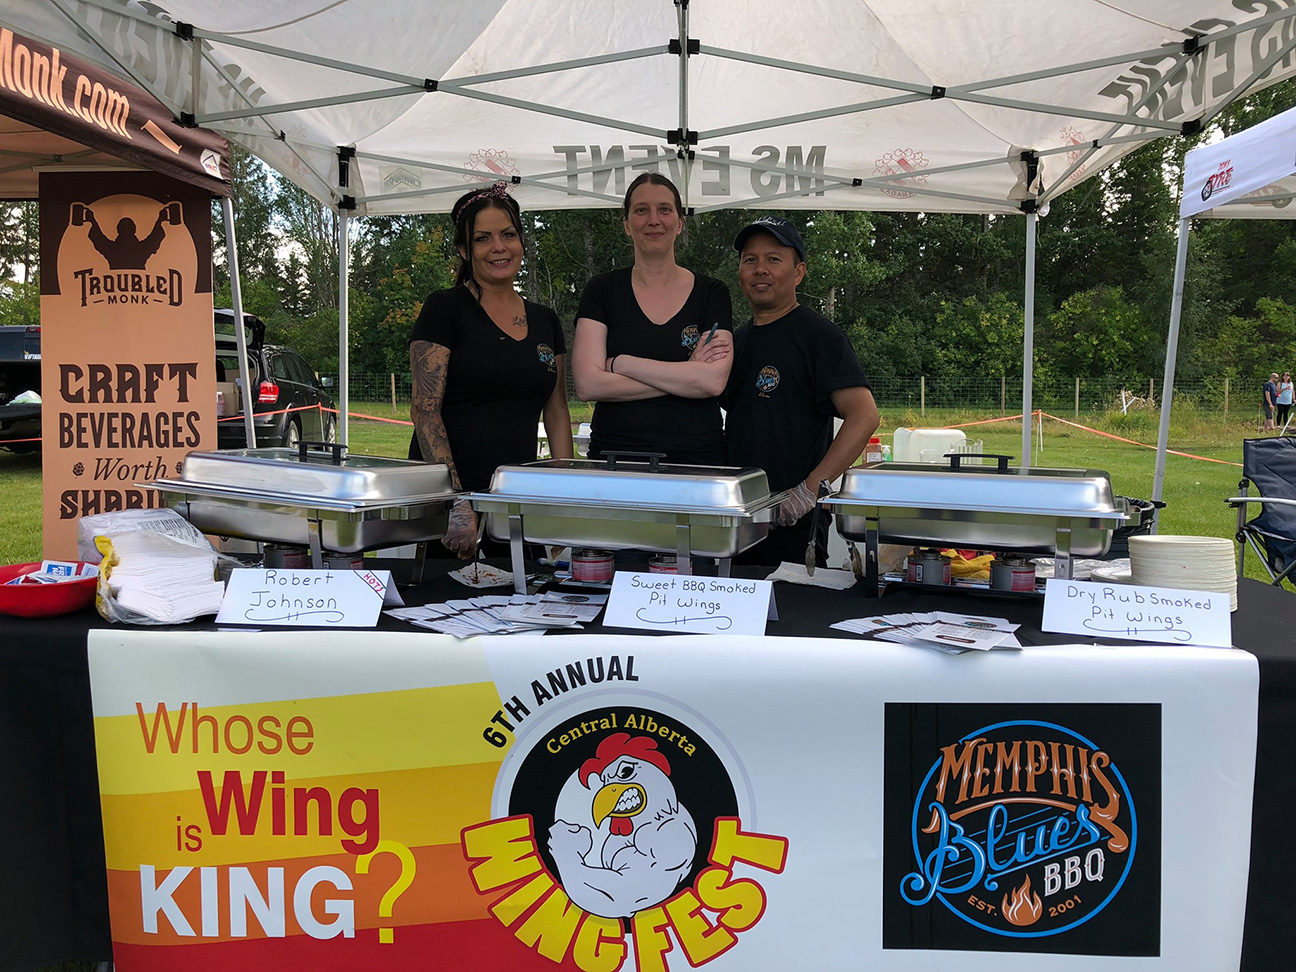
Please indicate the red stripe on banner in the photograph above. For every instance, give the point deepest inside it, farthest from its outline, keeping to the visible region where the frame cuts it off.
(468, 946)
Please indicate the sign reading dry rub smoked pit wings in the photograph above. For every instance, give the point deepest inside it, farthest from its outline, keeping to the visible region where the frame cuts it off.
(51, 91)
(128, 363)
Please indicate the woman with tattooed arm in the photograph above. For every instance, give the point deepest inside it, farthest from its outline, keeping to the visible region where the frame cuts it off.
(485, 362)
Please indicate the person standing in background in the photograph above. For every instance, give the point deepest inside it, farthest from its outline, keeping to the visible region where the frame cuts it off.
(1269, 402)
(1284, 400)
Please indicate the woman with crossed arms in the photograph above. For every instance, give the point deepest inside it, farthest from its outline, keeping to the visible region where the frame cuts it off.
(653, 341)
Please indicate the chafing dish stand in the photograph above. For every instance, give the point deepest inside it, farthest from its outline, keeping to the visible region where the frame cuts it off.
(1063, 512)
(704, 511)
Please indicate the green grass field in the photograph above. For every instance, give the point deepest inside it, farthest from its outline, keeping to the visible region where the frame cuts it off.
(1194, 492)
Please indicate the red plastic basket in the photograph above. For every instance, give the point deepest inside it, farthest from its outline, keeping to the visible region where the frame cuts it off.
(43, 600)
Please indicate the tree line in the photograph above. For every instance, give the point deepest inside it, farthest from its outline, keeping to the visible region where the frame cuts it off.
(917, 293)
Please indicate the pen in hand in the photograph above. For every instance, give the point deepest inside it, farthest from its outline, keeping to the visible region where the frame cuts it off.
(711, 333)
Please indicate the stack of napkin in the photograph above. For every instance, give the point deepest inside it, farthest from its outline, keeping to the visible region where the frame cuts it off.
(162, 578)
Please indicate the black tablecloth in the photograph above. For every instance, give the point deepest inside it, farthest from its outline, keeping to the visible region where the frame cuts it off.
(53, 885)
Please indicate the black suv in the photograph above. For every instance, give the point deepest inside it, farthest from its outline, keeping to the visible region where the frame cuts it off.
(289, 403)
(20, 377)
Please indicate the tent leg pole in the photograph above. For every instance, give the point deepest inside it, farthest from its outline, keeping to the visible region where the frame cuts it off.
(344, 360)
(1172, 352)
(1028, 349)
(240, 338)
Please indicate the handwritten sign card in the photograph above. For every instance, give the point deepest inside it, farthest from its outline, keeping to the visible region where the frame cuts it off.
(1138, 613)
(306, 598)
(697, 605)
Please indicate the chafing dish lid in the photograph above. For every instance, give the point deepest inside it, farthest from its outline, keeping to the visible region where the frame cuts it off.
(284, 472)
(589, 482)
(1036, 491)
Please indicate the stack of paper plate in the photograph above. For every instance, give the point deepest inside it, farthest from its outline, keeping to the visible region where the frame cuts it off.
(1190, 563)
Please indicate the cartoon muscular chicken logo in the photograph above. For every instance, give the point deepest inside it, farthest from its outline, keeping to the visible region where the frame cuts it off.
(621, 840)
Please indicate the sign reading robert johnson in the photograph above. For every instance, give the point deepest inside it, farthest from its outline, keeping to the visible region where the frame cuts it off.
(1023, 828)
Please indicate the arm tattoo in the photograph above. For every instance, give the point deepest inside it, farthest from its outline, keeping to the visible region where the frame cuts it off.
(428, 366)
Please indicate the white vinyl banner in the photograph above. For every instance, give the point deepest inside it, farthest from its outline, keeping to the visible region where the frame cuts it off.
(626, 803)
(1245, 164)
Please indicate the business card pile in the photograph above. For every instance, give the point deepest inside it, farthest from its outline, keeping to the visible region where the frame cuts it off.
(504, 613)
(942, 630)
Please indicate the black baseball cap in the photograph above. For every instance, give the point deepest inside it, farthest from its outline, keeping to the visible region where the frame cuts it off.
(777, 227)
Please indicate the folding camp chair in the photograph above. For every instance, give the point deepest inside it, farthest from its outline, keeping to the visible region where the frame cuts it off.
(1269, 464)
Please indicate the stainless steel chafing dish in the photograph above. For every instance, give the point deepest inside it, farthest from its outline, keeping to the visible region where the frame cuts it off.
(314, 495)
(702, 511)
(1064, 512)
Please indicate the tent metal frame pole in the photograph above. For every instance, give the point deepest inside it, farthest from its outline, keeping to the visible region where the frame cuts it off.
(852, 109)
(685, 150)
(240, 339)
(1083, 158)
(271, 130)
(121, 64)
(1028, 348)
(1256, 75)
(344, 328)
(346, 67)
(555, 66)
(278, 109)
(1172, 352)
(446, 87)
(1064, 112)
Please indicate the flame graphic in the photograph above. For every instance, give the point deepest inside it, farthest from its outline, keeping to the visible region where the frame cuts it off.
(1025, 907)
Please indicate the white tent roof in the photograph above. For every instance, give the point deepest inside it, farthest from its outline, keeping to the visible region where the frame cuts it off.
(1249, 175)
(870, 104)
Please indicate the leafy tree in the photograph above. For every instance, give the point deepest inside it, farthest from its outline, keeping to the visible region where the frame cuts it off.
(1097, 332)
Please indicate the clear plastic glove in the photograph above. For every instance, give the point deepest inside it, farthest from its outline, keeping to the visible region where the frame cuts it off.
(800, 501)
(461, 532)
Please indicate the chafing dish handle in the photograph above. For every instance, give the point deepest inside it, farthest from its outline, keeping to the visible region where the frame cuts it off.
(652, 457)
(336, 448)
(1001, 460)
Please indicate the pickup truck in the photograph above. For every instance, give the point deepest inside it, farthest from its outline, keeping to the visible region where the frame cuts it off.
(20, 378)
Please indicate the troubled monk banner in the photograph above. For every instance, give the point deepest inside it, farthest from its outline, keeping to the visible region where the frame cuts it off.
(128, 354)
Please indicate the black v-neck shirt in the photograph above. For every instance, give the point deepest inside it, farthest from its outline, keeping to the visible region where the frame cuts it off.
(687, 430)
(495, 386)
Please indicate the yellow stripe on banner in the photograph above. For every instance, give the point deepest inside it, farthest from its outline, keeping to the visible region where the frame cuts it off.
(337, 736)
(418, 808)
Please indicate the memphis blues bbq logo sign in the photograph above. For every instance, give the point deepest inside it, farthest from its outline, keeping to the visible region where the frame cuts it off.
(1023, 828)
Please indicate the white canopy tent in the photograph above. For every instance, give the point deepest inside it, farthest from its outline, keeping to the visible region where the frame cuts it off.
(396, 106)
(1250, 175)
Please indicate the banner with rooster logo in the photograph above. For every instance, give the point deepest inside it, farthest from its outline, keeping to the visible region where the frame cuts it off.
(596, 803)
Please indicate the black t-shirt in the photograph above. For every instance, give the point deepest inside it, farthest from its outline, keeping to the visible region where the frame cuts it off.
(685, 429)
(779, 394)
(495, 386)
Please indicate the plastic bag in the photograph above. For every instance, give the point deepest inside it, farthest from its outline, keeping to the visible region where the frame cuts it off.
(167, 522)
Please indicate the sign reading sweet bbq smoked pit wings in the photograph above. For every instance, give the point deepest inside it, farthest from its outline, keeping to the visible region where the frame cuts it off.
(44, 87)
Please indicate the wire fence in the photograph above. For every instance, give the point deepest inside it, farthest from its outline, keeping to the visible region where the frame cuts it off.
(1063, 396)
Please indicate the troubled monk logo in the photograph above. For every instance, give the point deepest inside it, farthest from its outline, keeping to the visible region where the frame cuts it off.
(623, 831)
(1024, 830)
(128, 248)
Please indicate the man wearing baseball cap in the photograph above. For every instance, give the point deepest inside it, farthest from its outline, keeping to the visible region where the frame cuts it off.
(794, 371)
